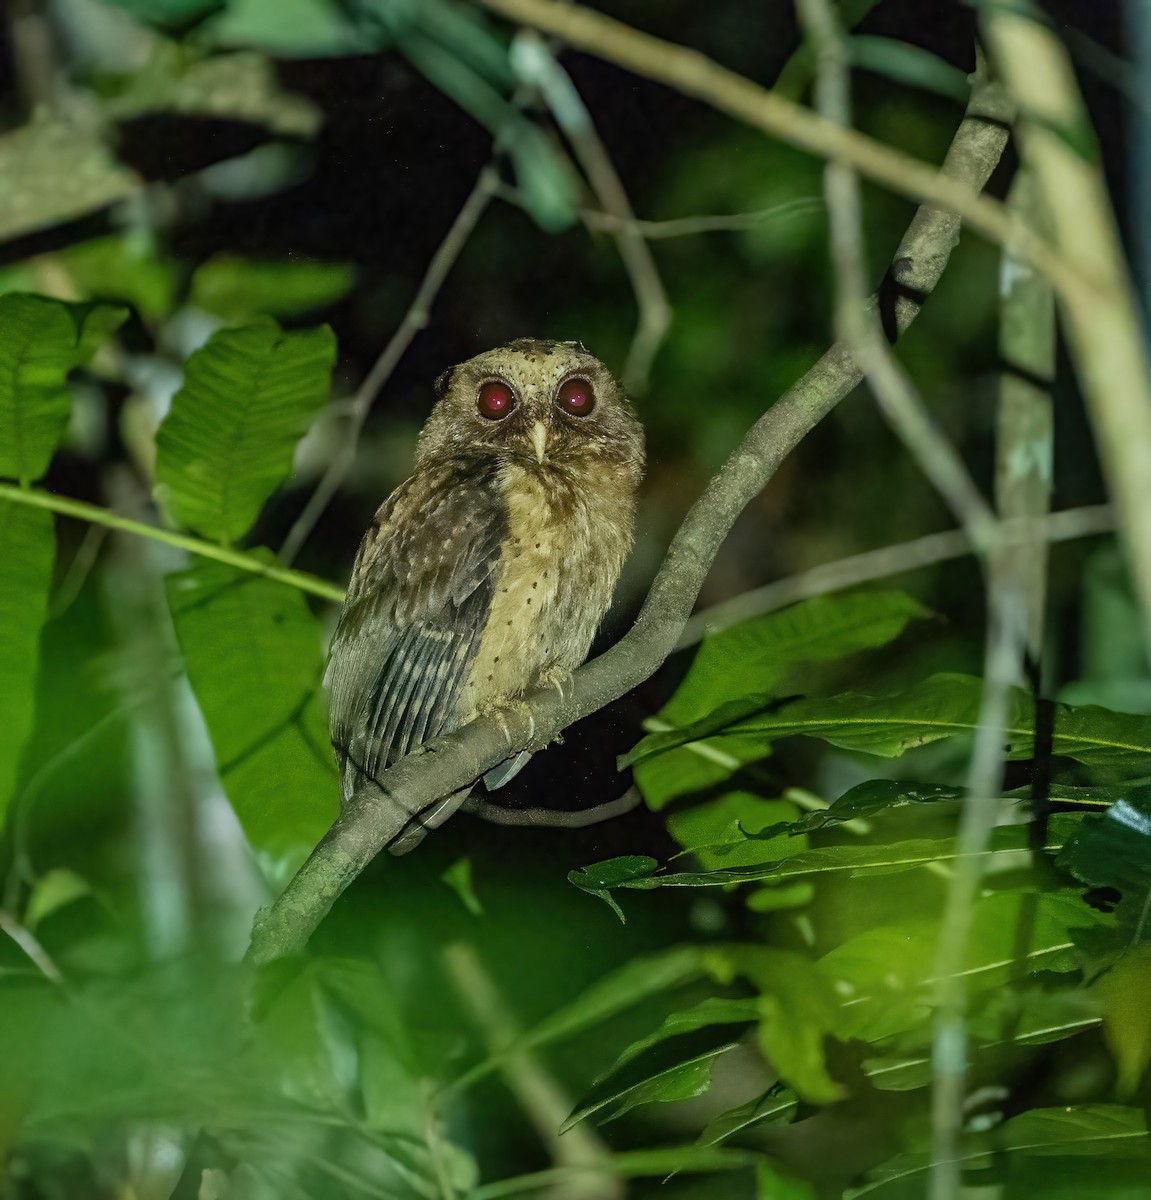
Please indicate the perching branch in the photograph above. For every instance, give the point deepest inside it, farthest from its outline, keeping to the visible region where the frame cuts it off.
(377, 813)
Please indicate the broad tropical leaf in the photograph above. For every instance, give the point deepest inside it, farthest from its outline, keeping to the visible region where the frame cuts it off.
(27, 547)
(41, 341)
(227, 442)
(253, 656)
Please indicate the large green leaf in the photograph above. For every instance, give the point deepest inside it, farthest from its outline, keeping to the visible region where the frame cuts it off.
(938, 707)
(41, 341)
(228, 440)
(776, 1106)
(239, 289)
(253, 656)
(26, 552)
(759, 656)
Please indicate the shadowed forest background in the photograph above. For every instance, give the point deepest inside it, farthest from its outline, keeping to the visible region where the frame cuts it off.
(760, 1025)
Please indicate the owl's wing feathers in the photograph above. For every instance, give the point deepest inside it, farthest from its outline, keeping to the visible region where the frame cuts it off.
(418, 603)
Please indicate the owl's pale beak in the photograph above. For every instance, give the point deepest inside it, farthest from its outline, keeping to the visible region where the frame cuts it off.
(540, 439)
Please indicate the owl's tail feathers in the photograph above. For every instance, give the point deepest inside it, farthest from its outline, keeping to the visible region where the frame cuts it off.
(421, 823)
(507, 770)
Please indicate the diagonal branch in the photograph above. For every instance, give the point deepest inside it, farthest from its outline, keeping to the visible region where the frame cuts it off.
(375, 814)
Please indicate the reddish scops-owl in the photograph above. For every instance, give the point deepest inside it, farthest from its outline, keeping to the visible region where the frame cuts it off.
(489, 570)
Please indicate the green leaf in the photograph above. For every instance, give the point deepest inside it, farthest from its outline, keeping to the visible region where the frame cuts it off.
(459, 878)
(759, 655)
(1088, 1130)
(777, 1105)
(874, 796)
(673, 1063)
(797, 1011)
(938, 707)
(289, 28)
(696, 767)
(717, 833)
(252, 651)
(169, 14)
(613, 872)
(27, 549)
(908, 64)
(41, 341)
(54, 890)
(239, 289)
(228, 440)
(852, 860)
(1122, 996)
(885, 977)
(771, 1185)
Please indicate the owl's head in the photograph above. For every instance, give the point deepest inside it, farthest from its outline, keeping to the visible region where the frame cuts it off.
(534, 402)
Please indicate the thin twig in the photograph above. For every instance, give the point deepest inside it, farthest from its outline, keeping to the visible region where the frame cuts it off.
(95, 515)
(414, 320)
(889, 560)
(1102, 323)
(695, 75)
(377, 813)
(538, 65)
(677, 227)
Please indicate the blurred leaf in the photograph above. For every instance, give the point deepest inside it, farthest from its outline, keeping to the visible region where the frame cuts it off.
(670, 1160)
(696, 767)
(27, 549)
(909, 64)
(629, 985)
(884, 976)
(797, 1011)
(646, 1082)
(127, 268)
(459, 878)
(771, 1185)
(1093, 1130)
(252, 651)
(761, 653)
(41, 341)
(232, 87)
(169, 14)
(1122, 995)
(939, 707)
(777, 1105)
(53, 171)
(227, 442)
(54, 890)
(239, 289)
(289, 28)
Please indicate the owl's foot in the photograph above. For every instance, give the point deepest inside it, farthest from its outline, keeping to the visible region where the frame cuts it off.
(558, 677)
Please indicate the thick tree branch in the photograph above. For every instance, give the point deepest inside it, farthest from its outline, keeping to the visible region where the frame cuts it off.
(376, 814)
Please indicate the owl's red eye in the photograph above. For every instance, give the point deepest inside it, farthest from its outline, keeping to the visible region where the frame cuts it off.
(495, 401)
(576, 397)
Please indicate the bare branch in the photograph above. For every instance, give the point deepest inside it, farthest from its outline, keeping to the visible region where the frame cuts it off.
(695, 75)
(377, 813)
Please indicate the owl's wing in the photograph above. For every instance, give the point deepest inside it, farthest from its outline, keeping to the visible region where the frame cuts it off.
(416, 610)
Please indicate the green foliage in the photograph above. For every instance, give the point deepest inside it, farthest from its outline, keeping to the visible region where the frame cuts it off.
(228, 441)
(253, 653)
(27, 548)
(239, 289)
(41, 342)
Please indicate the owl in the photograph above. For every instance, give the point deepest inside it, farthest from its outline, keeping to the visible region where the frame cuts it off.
(487, 572)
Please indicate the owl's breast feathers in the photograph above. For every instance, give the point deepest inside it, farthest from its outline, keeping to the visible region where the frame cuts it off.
(473, 580)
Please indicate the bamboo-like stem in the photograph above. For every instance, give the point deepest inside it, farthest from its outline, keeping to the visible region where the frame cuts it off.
(93, 514)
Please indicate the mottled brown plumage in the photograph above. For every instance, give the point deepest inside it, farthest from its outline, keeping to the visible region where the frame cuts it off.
(489, 570)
